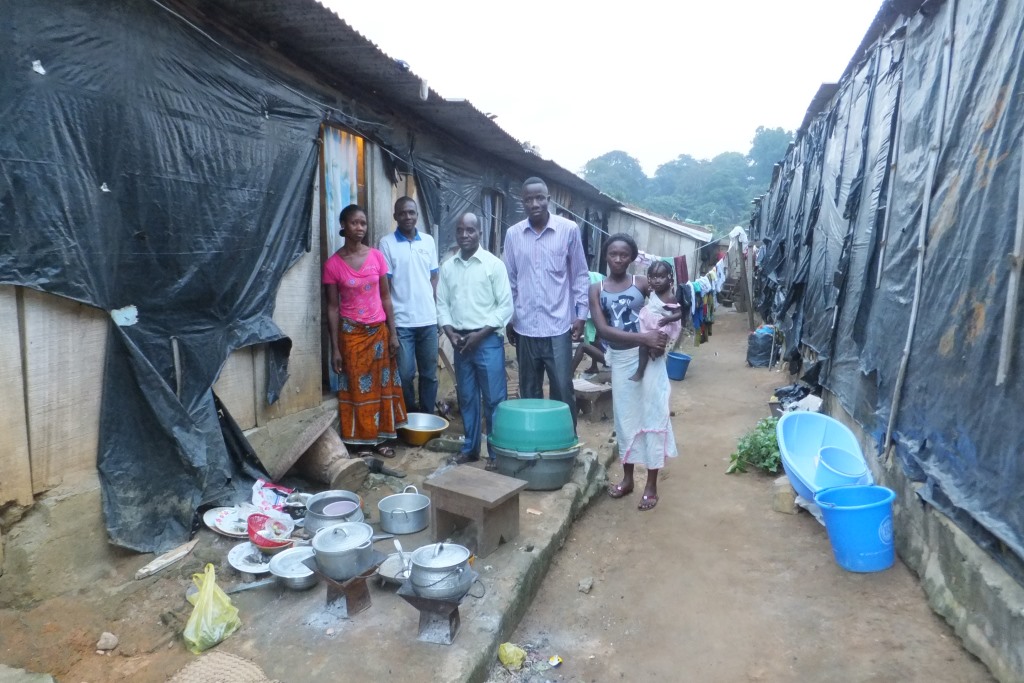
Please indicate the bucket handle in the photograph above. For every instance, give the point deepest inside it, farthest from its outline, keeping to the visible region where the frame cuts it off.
(397, 510)
(455, 572)
(525, 464)
(410, 486)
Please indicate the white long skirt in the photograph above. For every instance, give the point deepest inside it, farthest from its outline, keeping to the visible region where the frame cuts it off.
(642, 422)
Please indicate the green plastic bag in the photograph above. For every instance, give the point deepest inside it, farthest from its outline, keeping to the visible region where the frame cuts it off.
(213, 618)
(512, 656)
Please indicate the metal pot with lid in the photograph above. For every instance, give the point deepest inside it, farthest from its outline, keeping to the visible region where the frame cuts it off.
(343, 550)
(441, 571)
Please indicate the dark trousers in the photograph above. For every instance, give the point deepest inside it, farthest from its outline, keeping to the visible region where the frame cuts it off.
(537, 355)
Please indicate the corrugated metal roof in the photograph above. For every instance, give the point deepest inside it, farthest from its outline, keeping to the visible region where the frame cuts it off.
(319, 40)
(696, 232)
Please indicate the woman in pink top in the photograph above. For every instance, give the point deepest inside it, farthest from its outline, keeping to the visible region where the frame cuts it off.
(364, 344)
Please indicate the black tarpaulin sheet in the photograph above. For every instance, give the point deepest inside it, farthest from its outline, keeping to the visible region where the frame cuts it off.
(853, 383)
(142, 165)
(955, 429)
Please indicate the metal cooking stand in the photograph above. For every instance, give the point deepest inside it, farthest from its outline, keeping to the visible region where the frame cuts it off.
(439, 618)
(355, 591)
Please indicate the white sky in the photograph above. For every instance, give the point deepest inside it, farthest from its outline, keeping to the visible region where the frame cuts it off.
(655, 78)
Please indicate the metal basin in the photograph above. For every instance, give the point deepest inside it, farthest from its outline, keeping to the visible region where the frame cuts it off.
(421, 428)
(288, 569)
(541, 470)
(404, 513)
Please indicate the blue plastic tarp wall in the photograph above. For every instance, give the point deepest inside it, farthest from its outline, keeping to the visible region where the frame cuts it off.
(955, 430)
(148, 167)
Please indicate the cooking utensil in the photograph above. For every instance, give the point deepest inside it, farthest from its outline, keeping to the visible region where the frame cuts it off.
(422, 427)
(404, 513)
(288, 568)
(317, 519)
(441, 571)
(401, 555)
(343, 550)
(249, 586)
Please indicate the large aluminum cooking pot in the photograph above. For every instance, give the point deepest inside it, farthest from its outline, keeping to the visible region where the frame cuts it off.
(404, 513)
(441, 571)
(316, 519)
(344, 550)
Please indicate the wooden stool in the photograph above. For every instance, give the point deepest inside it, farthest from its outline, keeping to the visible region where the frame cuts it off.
(466, 494)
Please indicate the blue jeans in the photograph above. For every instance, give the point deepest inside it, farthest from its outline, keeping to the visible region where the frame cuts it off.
(480, 373)
(418, 351)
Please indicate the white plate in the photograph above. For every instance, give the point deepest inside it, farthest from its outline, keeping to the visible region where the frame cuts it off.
(225, 520)
(243, 558)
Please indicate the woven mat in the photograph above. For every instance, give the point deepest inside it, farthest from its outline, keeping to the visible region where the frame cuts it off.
(220, 667)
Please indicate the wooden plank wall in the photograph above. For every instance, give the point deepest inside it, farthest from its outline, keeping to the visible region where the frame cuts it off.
(298, 313)
(15, 466)
(236, 387)
(65, 347)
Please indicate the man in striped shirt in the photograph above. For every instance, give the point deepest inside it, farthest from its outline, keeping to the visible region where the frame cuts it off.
(548, 272)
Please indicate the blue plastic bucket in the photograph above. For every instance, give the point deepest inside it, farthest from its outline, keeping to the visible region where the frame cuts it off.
(838, 467)
(859, 524)
(676, 365)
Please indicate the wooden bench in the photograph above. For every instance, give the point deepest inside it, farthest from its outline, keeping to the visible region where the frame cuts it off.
(466, 494)
(593, 400)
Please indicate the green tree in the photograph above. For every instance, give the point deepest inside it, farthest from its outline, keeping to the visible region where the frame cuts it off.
(767, 149)
(618, 175)
(715, 192)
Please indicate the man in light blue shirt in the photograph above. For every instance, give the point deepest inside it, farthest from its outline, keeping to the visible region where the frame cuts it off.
(474, 303)
(412, 272)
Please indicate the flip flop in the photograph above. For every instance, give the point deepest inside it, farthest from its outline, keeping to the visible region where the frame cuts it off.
(647, 503)
(616, 491)
(491, 466)
(385, 451)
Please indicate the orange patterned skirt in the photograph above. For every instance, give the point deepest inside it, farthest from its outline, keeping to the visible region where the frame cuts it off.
(370, 403)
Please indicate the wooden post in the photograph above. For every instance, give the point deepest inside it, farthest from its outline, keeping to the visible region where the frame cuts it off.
(1013, 285)
(748, 286)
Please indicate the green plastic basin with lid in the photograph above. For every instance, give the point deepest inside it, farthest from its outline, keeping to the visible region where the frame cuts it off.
(532, 424)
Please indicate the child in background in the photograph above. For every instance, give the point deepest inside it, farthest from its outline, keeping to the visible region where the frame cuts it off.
(662, 311)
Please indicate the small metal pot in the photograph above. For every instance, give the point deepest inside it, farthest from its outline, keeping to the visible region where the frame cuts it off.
(315, 517)
(288, 569)
(404, 513)
(441, 571)
(344, 550)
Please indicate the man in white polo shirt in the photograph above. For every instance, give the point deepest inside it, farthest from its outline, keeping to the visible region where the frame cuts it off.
(412, 274)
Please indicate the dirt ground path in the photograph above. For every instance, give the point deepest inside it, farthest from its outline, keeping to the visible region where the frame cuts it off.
(713, 586)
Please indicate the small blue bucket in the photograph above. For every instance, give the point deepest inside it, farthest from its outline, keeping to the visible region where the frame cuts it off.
(676, 365)
(838, 467)
(859, 524)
